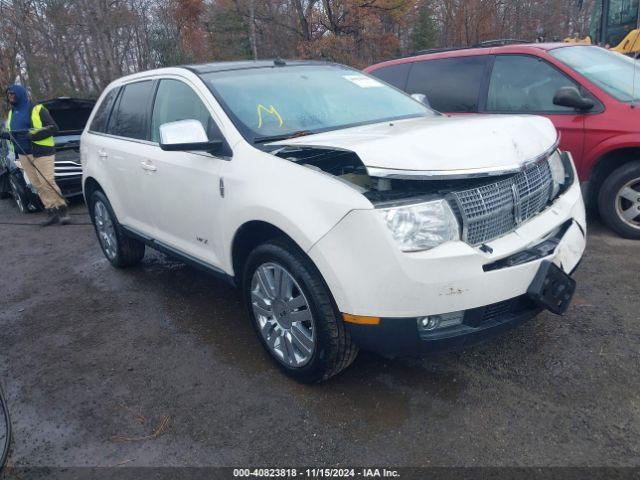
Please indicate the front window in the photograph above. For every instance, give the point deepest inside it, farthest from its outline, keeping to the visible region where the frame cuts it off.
(175, 101)
(615, 73)
(525, 84)
(280, 102)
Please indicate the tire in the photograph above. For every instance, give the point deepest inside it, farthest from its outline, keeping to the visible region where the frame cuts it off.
(617, 201)
(331, 349)
(5, 186)
(19, 195)
(120, 249)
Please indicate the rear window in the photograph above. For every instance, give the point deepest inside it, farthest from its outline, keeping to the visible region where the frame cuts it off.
(100, 119)
(450, 84)
(131, 116)
(395, 75)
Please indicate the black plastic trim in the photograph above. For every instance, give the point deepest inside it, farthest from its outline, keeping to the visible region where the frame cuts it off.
(398, 337)
(541, 250)
(180, 256)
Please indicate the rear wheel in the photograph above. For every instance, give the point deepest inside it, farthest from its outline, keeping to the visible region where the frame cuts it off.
(619, 200)
(294, 314)
(119, 248)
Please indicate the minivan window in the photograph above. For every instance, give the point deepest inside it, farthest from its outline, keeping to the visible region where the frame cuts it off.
(521, 83)
(274, 103)
(175, 100)
(130, 118)
(450, 84)
(395, 75)
(100, 119)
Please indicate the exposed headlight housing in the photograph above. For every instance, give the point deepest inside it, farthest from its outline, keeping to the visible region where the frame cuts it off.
(558, 173)
(422, 226)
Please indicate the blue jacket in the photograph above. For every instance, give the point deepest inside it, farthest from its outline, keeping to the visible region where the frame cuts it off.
(21, 119)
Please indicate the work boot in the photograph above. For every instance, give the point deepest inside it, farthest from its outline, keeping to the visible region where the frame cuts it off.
(63, 215)
(52, 217)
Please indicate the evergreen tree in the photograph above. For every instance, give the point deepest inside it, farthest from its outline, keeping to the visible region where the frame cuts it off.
(424, 34)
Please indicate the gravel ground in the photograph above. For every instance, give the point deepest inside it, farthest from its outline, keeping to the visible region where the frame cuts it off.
(95, 360)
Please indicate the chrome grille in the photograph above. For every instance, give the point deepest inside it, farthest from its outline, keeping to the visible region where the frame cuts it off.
(493, 210)
(67, 163)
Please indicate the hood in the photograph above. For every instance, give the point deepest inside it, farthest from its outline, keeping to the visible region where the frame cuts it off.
(70, 114)
(442, 146)
(21, 95)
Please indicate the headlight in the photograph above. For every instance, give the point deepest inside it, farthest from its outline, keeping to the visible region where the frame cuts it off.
(558, 173)
(423, 226)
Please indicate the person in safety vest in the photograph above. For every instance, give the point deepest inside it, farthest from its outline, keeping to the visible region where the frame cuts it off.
(31, 129)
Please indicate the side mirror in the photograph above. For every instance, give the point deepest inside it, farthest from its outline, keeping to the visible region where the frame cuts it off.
(187, 135)
(422, 98)
(571, 97)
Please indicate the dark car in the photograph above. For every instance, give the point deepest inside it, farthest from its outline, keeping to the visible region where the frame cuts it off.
(71, 115)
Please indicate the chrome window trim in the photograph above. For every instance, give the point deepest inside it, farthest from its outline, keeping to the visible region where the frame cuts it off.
(154, 144)
(119, 137)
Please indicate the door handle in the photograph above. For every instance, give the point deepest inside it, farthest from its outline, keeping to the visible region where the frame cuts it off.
(148, 166)
(102, 154)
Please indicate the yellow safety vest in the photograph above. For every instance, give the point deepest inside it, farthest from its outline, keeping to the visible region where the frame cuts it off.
(36, 122)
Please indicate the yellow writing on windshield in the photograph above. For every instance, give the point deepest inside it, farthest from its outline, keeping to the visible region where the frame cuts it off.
(270, 111)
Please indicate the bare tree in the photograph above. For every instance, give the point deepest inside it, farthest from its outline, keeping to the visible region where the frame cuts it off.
(76, 47)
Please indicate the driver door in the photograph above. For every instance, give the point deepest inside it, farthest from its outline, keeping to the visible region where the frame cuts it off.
(524, 84)
(186, 184)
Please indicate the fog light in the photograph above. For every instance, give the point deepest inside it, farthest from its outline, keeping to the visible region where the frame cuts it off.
(435, 322)
(428, 323)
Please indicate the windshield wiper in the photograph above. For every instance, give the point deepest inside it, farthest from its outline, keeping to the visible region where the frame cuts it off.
(287, 136)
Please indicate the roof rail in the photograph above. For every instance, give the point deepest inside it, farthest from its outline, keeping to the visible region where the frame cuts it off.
(437, 50)
(500, 41)
(486, 44)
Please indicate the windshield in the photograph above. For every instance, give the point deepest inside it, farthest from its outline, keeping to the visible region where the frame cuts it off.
(613, 72)
(269, 104)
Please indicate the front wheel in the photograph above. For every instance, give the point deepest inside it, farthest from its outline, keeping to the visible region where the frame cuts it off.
(294, 314)
(119, 248)
(20, 196)
(619, 200)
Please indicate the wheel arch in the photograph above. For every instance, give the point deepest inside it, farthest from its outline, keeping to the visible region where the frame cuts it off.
(90, 185)
(604, 166)
(247, 237)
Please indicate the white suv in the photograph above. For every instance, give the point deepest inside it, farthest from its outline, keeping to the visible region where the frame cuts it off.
(348, 213)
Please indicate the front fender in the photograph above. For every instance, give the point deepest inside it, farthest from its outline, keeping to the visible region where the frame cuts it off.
(303, 203)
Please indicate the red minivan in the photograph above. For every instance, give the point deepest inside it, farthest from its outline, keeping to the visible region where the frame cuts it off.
(590, 94)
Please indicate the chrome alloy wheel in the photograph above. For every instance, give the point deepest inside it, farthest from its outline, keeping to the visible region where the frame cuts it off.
(106, 230)
(283, 315)
(628, 203)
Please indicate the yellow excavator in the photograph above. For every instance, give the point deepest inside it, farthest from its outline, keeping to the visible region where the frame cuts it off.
(614, 24)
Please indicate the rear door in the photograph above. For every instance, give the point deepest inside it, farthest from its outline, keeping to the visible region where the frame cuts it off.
(452, 85)
(395, 75)
(186, 185)
(126, 150)
(525, 84)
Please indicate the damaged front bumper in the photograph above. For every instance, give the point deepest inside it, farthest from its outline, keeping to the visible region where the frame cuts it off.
(370, 277)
